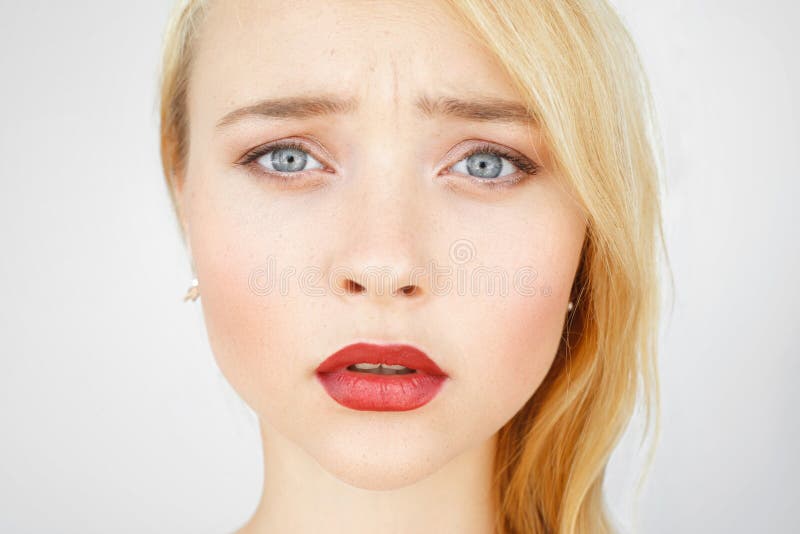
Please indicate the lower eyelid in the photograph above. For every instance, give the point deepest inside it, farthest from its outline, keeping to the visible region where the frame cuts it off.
(496, 183)
(289, 180)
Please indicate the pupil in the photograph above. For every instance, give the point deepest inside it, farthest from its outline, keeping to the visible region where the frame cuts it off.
(289, 160)
(484, 165)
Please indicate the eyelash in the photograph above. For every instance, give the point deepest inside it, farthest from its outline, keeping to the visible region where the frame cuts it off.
(526, 167)
(249, 159)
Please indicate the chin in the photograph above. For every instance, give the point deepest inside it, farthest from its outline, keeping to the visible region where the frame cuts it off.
(374, 461)
(377, 476)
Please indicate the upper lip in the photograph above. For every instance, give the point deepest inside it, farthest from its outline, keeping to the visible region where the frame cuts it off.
(389, 354)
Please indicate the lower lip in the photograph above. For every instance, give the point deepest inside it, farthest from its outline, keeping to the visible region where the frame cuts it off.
(382, 393)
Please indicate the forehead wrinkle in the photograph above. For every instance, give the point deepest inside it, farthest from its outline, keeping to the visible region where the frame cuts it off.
(395, 83)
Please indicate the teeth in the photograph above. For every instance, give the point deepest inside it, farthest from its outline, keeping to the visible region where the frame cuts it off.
(394, 367)
(367, 366)
(382, 369)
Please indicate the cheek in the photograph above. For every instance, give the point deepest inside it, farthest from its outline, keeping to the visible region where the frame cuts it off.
(510, 343)
(533, 327)
(249, 328)
(237, 318)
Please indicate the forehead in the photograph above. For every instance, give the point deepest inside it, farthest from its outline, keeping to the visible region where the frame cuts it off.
(371, 50)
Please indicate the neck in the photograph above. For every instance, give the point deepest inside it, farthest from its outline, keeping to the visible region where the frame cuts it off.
(300, 496)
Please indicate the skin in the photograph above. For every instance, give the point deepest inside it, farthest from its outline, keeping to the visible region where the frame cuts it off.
(387, 196)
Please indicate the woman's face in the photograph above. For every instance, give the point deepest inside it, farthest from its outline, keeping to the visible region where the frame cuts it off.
(301, 251)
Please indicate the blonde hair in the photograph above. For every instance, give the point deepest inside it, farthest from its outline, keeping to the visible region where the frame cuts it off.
(575, 65)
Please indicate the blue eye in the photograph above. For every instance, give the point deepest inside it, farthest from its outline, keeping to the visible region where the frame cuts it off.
(490, 166)
(485, 165)
(287, 159)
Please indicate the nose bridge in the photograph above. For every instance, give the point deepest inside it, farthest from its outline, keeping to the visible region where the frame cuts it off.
(380, 254)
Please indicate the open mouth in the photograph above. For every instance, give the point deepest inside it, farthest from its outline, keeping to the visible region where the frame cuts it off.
(381, 369)
(393, 377)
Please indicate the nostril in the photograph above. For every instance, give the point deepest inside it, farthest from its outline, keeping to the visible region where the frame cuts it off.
(353, 287)
(408, 290)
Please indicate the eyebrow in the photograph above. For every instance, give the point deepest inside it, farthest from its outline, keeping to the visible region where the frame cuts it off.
(298, 107)
(479, 109)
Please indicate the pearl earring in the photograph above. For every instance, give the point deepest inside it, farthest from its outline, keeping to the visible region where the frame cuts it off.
(570, 306)
(193, 292)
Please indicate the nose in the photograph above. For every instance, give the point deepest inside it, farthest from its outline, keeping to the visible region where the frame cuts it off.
(381, 260)
(380, 269)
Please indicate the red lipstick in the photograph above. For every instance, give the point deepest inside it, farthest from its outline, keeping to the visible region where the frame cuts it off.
(366, 376)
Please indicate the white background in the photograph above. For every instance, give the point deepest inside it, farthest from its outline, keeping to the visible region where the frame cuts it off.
(113, 415)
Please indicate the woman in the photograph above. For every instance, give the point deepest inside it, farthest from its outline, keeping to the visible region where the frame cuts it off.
(425, 237)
